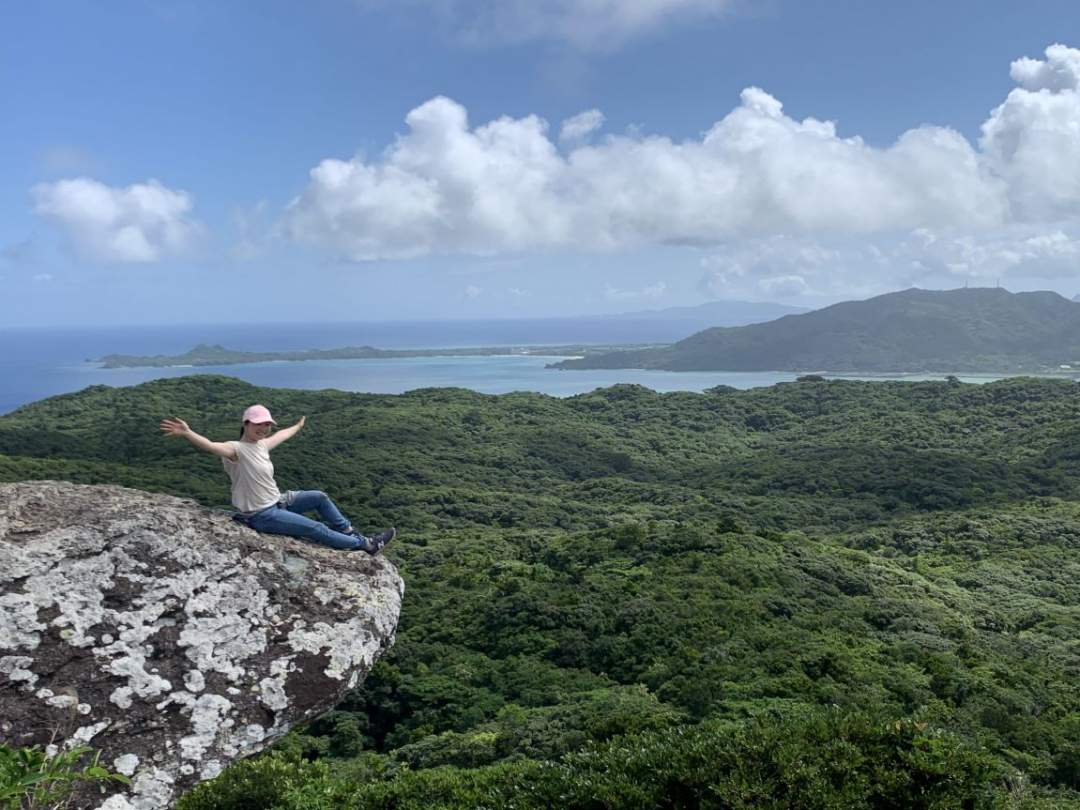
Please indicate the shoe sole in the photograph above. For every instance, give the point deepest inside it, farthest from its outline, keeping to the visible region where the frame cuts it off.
(393, 534)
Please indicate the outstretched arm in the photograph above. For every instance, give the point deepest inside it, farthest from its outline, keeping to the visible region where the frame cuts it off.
(178, 427)
(285, 433)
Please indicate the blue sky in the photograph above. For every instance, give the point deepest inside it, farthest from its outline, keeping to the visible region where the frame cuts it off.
(375, 160)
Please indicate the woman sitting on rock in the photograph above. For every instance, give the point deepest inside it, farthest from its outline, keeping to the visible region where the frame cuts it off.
(261, 505)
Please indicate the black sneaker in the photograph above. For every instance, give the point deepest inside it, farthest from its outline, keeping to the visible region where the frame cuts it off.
(381, 540)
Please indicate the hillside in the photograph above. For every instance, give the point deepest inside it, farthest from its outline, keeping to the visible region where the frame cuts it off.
(966, 330)
(624, 596)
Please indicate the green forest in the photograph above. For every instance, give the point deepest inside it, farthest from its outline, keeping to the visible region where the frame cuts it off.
(821, 594)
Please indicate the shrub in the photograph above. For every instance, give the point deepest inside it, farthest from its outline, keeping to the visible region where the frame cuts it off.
(254, 784)
(806, 759)
(30, 778)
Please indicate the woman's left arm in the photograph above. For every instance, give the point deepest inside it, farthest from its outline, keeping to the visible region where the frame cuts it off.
(283, 434)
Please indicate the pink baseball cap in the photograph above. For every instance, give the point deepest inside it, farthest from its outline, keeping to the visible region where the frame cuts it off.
(258, 414)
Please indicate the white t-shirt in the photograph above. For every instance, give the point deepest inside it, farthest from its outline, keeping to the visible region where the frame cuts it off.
(252, 476)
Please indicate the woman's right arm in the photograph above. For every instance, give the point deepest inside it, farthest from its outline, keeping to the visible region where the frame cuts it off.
(178, 427)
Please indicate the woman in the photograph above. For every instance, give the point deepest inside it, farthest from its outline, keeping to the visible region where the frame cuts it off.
(261, 505)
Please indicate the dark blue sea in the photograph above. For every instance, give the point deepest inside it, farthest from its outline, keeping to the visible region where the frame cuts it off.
(38, 363)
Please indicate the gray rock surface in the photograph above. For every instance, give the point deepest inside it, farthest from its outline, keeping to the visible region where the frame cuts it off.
(169, 637)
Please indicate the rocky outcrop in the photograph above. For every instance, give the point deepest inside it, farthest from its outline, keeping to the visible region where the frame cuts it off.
(170, 638)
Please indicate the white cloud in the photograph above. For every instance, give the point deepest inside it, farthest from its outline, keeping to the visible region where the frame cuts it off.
(585, 24)
(472, 291)
(781, 267)
(504, 187)
(652, 291)
(1016, 253)
(1032, 140)
(581, 126)
(441, 188)
(42, 278)
(780, 206)
(792, 268)
(1060, 71)
(140, 223)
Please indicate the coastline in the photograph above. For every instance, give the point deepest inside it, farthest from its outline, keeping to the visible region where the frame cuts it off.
(206, 356)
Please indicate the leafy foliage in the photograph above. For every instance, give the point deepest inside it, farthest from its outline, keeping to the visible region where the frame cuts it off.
(628, 570)
(254, 784)
(31, 779)
(798, 759)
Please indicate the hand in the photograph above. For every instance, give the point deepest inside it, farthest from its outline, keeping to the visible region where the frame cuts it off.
(174, 427)
(300, 424)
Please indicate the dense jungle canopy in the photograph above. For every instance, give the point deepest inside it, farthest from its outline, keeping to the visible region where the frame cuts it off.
(818, 594)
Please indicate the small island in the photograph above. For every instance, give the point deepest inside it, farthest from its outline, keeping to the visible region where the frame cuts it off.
(214, 355)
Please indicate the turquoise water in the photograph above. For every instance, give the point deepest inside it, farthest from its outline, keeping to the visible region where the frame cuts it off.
(35, 364)
(488, 375)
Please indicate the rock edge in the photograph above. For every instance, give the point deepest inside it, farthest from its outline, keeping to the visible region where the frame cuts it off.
(170, 638)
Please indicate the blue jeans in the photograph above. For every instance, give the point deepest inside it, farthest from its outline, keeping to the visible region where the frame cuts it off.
(286, 517)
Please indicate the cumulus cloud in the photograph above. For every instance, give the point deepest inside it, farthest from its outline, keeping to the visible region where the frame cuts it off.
(1060, 71)
(581, 126)
(585, 24)
(143, 222)
(504, 186)
(1019, 252)
(796, 267)
(780, 267)
(442, 188)
(1032, 140)
(780, 206)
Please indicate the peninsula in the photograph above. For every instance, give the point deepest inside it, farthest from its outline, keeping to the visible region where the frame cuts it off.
(214, 355)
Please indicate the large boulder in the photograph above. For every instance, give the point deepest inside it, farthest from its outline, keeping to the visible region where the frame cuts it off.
(170, 638)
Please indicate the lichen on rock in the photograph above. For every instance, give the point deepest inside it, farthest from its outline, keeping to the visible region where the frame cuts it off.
(170, 638)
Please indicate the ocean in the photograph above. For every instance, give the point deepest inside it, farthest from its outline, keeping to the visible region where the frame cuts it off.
(38, 363)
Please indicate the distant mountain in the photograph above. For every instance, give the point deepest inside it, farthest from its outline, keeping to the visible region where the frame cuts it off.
(656, 326)
(967, 330)
(716, 313)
